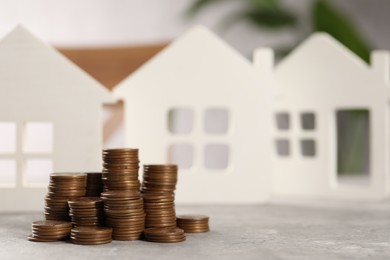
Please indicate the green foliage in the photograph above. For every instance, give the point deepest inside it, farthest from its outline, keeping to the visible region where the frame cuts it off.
(328, 19)
(270, 14)
(261, 13)
(267, 17)
(199, 5)
(264, 3)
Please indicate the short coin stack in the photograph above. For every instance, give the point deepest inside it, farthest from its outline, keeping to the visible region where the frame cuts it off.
(193, 223)
(124, 213)
(91, 235)
(86, 211)
(94, 184)
(165, 235)
(120, 169)
(63, 187)
(158, 186)
(50, 230)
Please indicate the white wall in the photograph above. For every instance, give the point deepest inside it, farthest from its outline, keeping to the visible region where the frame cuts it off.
(126, 22)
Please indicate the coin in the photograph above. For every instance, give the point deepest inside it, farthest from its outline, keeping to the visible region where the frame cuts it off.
(193, 223)
(51, 224)
(164, 235)
(49, 230)
(35, 239)
(91, 235)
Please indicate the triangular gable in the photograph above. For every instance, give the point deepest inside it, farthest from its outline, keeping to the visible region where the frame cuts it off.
(323, 51)
(185, 49)
(20, 47)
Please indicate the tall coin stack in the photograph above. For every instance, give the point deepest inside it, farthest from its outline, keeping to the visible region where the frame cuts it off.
(94, 184)
(63, 187)
(158, 186)
(123, 204)
(86, 211)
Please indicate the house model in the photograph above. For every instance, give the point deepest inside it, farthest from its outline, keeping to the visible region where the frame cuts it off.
(316, 125)
(200, 104)
(331, 123)
(50, 119)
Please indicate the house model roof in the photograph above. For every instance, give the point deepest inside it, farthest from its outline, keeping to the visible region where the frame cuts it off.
(197, 49)
(30, 68)
(321, 52)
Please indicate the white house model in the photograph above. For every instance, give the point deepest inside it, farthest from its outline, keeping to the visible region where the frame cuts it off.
(200, 104)
(331, 123)
(50, 119)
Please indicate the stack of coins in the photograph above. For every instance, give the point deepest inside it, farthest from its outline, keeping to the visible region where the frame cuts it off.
(193, 223)
(164, 235)
(91, 235)
(120, 169)
(94, 184)
(124, 213)
(158, 186)
(160, 210)
(62, 187)
(50, 230)
(86, 211)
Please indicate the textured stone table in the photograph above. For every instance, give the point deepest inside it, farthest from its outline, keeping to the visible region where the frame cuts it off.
(273, 231)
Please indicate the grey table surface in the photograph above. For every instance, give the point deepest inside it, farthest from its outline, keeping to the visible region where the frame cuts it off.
(272, 231)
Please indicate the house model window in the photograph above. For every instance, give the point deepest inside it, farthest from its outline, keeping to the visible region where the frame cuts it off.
(308, 147)
(283, 121)
(38, 137)
(8, 167)
(308, 121)
(37, 150)
(7, 137)
(25, 151)
(7, 172)
(307, 125)
(181, 120)
(282, 144)
(215, 154)
(181, 154)
(282, 147)
(216, 121)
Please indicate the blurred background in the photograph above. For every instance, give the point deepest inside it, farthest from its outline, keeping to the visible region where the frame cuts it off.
(111, 38)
